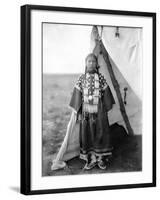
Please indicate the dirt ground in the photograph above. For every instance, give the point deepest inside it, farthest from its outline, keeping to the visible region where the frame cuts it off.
(126, 158)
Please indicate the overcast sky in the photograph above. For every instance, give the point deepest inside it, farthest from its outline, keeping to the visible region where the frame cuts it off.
(65, 47)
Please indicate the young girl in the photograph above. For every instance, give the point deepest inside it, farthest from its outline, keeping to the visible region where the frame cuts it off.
(92, 99)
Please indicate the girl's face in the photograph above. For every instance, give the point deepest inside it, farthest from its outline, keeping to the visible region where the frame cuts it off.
(91, 64)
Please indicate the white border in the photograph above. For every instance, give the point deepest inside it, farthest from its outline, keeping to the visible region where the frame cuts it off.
(42, 183)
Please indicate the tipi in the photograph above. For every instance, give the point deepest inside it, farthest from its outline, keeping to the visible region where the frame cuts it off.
(119, 58)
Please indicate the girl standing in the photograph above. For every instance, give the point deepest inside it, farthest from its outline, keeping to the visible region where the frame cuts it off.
(91, 100)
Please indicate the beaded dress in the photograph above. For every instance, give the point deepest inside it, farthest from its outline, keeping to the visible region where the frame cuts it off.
(92, 99)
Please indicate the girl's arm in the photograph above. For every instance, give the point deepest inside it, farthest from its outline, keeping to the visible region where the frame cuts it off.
(76, 99)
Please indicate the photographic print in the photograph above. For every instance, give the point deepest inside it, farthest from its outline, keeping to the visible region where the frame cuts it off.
(87, 99)
(91, 117)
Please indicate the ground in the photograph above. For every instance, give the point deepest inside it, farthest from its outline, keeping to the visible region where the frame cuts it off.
(126, 158)
(127, 154)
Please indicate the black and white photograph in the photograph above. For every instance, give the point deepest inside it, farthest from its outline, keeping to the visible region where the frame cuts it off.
(80, 100)
(92, 99)
(87, 99)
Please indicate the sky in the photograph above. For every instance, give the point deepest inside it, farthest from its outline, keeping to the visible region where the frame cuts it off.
(65, 47)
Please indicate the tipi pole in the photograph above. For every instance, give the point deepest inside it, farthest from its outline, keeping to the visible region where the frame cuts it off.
(116, 87)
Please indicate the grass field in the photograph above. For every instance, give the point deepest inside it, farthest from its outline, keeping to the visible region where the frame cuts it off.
(57, 91)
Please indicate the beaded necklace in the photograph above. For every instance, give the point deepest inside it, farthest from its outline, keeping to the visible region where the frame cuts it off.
(91, 93)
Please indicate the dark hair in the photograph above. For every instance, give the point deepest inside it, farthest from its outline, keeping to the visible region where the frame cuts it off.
(94, 56)
(91, 55)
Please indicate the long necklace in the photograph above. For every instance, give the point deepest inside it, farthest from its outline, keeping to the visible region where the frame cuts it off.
(91, 100)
